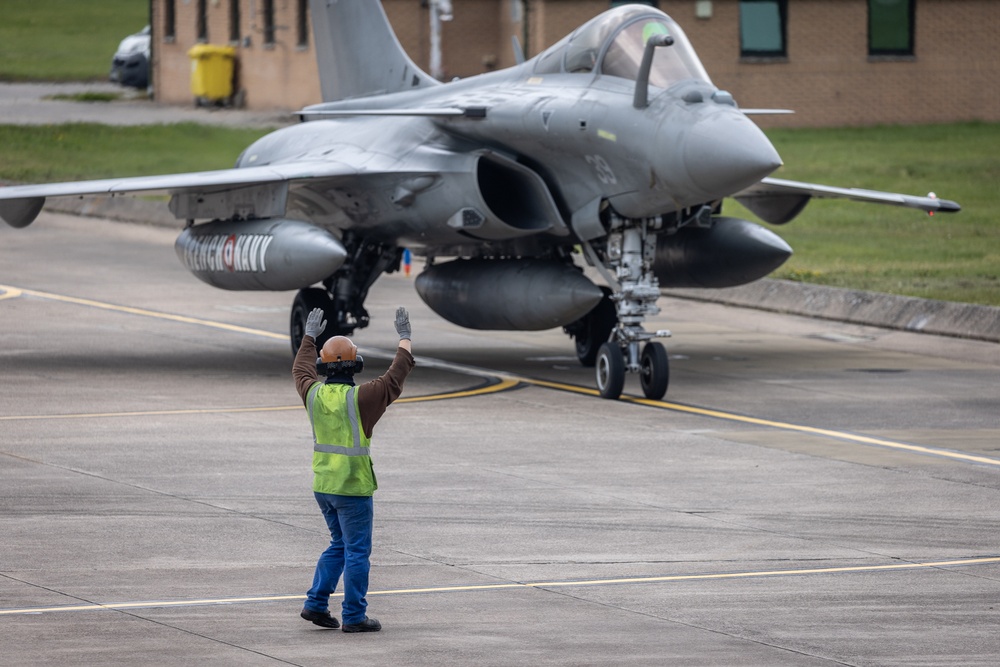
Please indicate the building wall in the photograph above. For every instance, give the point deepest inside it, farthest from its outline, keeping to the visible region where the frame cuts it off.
(282, 75)
(827, 78)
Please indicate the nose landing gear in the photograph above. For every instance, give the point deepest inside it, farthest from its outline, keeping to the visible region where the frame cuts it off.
(653, 368)
(627, 265)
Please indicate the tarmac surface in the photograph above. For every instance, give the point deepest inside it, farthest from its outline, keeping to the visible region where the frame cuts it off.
(809, 492)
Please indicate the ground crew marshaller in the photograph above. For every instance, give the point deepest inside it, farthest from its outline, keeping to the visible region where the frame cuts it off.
(343, 416)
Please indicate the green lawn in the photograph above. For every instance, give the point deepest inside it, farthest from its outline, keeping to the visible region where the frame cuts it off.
(953, 257)
(79, 151)
(64, 40)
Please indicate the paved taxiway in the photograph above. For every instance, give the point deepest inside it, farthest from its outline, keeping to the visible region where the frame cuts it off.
(811, 493)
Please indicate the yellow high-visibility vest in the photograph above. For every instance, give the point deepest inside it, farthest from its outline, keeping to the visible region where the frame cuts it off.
(342, 463)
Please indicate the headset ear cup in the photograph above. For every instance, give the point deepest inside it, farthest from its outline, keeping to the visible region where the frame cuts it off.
(339, 367)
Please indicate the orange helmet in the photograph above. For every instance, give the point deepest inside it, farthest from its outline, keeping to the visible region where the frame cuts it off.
(338, 348)
(339, 356)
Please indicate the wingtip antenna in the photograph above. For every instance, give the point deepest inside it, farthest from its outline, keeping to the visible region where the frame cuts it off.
(942, 205)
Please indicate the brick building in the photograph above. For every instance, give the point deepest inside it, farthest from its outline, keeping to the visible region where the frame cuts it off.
(835, 62)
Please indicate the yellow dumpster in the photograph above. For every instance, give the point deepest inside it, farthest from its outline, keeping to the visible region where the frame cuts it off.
(211, 72)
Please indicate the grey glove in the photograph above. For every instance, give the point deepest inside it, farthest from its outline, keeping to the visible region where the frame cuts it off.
(315, 324)
(403, 323)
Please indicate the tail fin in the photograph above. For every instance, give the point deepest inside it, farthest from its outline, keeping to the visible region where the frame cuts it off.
(357, 52)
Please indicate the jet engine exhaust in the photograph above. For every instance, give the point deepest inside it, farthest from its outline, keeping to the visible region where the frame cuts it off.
(731, 252)
(510, 295)
(267, 254)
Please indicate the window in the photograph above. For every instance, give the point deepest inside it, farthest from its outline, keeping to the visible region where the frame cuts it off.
(202, 20)
(268, 22)
(762, 28)
(234, 20)
(169, 20)
(670, 65)
(302, 24)
(890, 27)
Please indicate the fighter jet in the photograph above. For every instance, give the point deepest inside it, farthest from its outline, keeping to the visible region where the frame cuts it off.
(611, 149)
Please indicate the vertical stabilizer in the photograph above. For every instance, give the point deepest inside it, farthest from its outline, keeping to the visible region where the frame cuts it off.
(357, 52)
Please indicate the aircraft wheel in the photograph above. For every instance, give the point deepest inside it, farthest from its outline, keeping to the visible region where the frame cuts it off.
(305, 301)
(654, 371)
(610, 371)
(595, 328)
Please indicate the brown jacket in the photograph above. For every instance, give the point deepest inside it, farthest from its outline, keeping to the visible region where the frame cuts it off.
(374, 396)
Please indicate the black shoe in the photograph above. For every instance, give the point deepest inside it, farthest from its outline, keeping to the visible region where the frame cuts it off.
(322, 619)
(367, 625)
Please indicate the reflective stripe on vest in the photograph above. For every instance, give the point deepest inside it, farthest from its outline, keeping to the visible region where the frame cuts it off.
(352, 416)
(341, 464)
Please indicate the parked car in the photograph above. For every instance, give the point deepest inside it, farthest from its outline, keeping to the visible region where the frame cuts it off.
(130, 65)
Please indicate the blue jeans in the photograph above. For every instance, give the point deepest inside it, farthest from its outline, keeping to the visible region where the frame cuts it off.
(350, 521)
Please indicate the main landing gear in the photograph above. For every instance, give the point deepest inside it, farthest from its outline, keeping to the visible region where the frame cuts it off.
(343, 294)
(611, 337)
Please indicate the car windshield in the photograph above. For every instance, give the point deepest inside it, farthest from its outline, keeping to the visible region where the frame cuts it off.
(617, 39)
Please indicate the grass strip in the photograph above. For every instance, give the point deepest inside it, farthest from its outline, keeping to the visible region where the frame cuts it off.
(65, 40)
(82, 151)
(952, 257)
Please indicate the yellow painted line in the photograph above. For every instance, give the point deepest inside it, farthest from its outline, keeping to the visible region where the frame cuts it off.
(840, 435)
(9, 292)
(784, 426)
(150, 313)
(154, 603)
(539, 585)
(507, 381)
(151, 413)
(490, 389)
(576, 389)
(503, 385)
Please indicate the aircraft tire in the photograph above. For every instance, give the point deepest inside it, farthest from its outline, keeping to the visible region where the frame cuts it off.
(610, 371)
(594, 329)
(304, 302)
(654, 371)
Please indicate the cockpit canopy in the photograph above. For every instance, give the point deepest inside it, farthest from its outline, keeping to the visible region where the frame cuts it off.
(613, 43)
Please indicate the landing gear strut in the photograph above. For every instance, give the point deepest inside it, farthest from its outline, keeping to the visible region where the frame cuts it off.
(627, 265)
(344, 293)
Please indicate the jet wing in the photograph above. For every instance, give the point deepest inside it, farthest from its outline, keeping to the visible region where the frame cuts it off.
(431, 112)
(20, 204)
(778, 201)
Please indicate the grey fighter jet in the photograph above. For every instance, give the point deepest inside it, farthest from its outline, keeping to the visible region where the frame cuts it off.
(612, 148)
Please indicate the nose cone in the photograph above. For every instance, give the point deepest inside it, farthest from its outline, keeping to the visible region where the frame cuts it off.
(725, 152)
